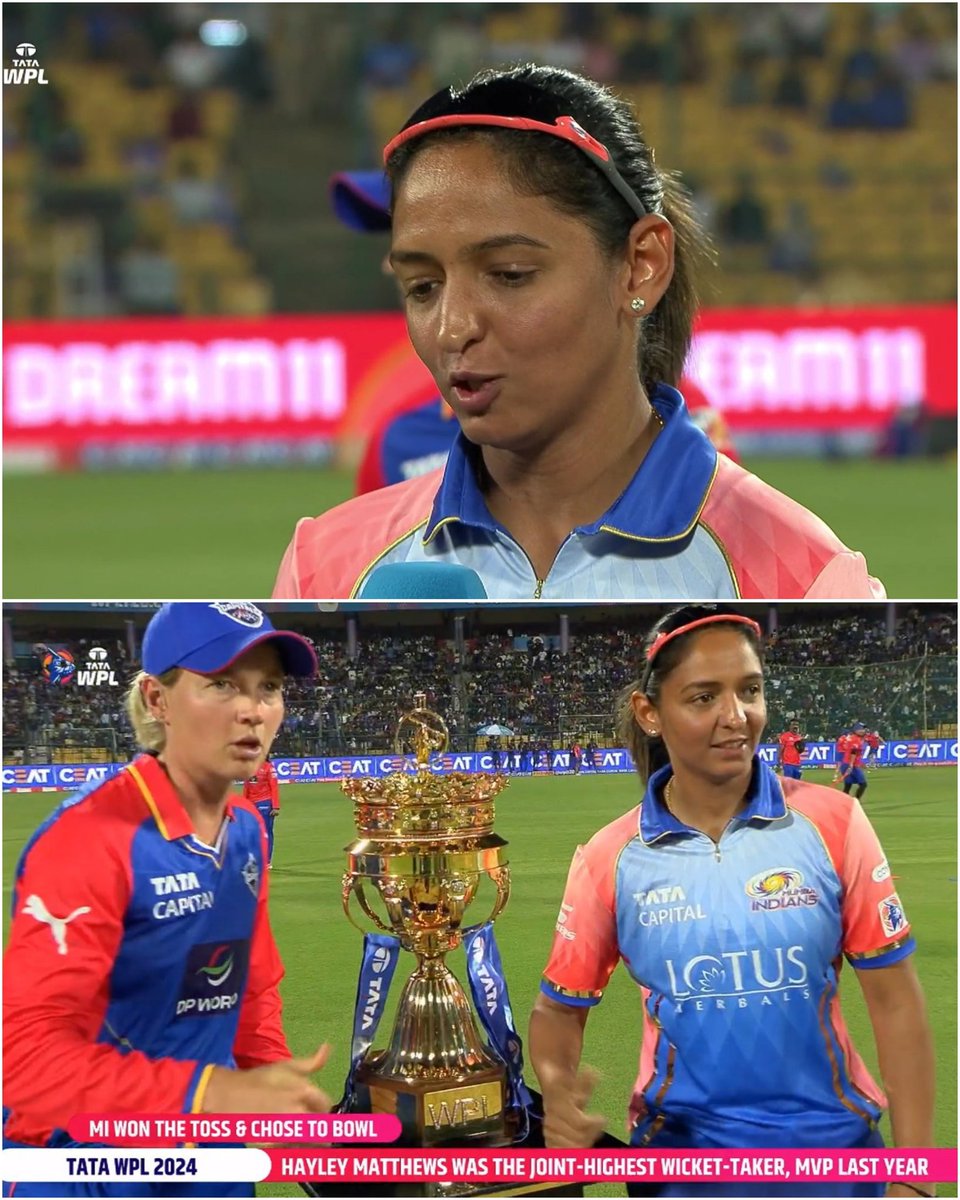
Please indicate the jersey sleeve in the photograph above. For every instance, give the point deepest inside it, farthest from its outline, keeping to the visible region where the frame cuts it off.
(260, 1038)
(876, 932)
(845, 577)
(585, 950)
(68, 922)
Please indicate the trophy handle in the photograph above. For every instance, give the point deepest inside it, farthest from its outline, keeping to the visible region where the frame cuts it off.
(354, 884)
(501, 877)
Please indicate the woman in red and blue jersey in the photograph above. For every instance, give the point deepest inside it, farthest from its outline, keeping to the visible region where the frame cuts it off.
(141, 973)
(851, 757)
(263, 790)
(732, 897)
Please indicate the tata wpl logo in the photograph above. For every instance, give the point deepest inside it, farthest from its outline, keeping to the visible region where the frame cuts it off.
(25, 67)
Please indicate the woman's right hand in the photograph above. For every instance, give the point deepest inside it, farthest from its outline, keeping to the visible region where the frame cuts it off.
(566, 1123)
(278, 1087)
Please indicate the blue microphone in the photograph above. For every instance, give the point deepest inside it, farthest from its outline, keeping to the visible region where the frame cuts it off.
(423, 581)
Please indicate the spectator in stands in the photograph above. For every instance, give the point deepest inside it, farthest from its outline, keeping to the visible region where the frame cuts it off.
(888, 106)
(806, 27)
(793, 244)
(849, 105)
(643, 54)
(185, 120)
(743, 86)
(915, 53)
(191, 64)
(790, 90)
(196, 200)
(743, 221)
(149, 278)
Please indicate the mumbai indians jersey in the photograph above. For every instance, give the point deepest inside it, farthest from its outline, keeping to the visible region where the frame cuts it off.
(737, 949)
(139, 957)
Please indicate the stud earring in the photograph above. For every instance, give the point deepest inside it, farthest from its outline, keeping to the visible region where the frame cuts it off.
(638, 304)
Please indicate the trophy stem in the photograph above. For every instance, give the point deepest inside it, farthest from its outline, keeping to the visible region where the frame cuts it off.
(435, 1035)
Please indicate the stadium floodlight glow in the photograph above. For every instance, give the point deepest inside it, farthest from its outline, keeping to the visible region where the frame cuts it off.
(513, 104)
(223, 33)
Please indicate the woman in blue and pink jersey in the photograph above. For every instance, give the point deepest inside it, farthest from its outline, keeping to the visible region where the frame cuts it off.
(732, 897)
(549, 272)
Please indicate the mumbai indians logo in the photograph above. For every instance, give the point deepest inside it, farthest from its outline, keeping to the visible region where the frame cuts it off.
(58, 666)
(780, 888)
(218, 969)
(241, 612)
(892, 916)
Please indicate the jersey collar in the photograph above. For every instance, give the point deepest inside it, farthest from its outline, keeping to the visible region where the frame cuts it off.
(171, 818)
(660, 504)
(765, 802)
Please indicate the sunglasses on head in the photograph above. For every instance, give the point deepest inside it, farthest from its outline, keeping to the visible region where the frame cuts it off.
(513, 104)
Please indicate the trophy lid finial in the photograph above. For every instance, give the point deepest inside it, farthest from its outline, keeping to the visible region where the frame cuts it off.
(429, 730)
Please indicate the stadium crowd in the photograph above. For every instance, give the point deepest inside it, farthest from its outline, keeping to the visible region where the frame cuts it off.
(825, 670)
(155, 122)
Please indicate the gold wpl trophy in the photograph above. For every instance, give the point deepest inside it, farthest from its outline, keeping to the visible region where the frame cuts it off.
(424, 844)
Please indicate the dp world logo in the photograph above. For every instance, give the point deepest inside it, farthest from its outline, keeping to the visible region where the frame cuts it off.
(218, 967)
(25, 67)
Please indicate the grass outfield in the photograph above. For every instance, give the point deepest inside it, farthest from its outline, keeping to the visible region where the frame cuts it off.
(914, 811)
(180, 534)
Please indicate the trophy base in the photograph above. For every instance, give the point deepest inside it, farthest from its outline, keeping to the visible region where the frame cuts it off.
(454, 1191)
(466, 1110)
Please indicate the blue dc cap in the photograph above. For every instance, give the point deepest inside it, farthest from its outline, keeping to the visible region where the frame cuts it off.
(207, 638)
(361, 199)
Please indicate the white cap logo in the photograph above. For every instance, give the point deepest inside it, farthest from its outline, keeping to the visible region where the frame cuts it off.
(240, 611)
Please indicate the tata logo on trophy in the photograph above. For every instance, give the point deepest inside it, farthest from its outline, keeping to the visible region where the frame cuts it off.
(25, 67)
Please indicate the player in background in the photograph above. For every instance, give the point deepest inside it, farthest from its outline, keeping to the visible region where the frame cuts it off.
(851, 771)
(792, 747)
(841, 749)
(872, 743)
(263, 791)
(416, 437)
(141, 973)
(716, 823)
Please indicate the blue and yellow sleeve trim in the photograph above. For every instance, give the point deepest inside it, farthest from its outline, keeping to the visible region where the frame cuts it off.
(577, 999)
(885, 956)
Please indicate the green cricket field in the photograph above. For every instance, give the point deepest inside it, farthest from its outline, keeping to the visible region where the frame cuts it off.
(913, 809)
(188, 534)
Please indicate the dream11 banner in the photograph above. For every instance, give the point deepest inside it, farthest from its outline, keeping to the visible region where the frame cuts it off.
(80, 393)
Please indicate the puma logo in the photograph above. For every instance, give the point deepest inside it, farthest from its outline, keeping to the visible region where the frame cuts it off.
(58, 925)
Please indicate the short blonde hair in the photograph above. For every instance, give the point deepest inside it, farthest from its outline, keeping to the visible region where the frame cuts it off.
(150, 733)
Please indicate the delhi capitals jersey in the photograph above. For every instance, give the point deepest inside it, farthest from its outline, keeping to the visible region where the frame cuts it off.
(139, 958)
(852, 749)
(737, 948)
(789, 754)
(262, 788)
